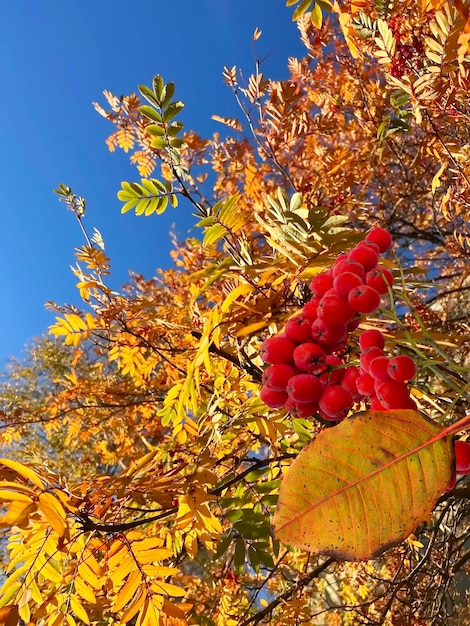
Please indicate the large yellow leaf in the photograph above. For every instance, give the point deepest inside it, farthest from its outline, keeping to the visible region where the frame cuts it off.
(23, 471)
(364, 485)
(53, 512)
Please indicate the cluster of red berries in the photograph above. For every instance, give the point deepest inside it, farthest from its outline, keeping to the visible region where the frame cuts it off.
(308, 373)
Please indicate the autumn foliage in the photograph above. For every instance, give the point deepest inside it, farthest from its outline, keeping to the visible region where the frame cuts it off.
(142, 468)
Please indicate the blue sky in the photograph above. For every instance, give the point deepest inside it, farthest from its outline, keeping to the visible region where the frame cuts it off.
(56, 59)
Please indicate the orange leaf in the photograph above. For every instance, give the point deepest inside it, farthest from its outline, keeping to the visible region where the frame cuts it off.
(9, 615)
(364, 485)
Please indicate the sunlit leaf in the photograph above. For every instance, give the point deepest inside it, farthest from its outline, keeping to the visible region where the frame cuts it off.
(364, 485)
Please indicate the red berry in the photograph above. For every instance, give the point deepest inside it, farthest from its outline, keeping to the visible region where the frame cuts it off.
(393, 395)
(347, 265)
(462, 457)
(344, 282)
(369, 244)
(381, 237)
(401, 368)
(301, 409)
(326, 334)
(335, 402)
(367, 355)
(274, 399)
(298, 329)
(320, 283)
(334, 309)
(277, 350)
(348, 382)
(364, 299)
(370, 338)
(378, 368)
(380, 279)
(304, 388)
(452, 483)
(376, 405)
(276, 377)
(310, 309)
(365, 385)
(353, 323)
(333, 375)
(309, 357)
(367, 257)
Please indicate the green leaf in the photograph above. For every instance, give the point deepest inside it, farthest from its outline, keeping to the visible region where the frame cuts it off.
(155, 129)
(239, 556)
(151, 113)
(176, 142)
(169, 93)
(213, 234)
(158, 86)
(364, 485)
(172, 110)
(223, 545)
(316, 16)
(149, 95)
(158, 143)
(301, 9)
(174, 128)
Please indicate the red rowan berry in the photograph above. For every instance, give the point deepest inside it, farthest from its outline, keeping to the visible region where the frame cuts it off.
(392, 394)
(378, 368)
(381, 237)
(462, 456)
(304, 388)
(320, 283)
(364, 299)
(301, 409)
(277, 349)
(334, 309)
(333, 374)
(344, 282)
(401, 368)
(347, 265)
(367, 355)
(335, 402)
(367, 257)
(348, 382)
(372, 337)
(365, 385)
(298, 329)
(274, 399)
(327, 334)
(276, 377)
(380, 279)
(309, 357)
(310, 309)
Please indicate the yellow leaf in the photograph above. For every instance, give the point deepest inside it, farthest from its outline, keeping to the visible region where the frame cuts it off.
(78, 609)
(18, 512)
(158, 554)
(134, 607)
(240, 290)
(84, 591)
(53, 512)
(436, 181)
(167, 589)
(14, 496)
(127, 591)
(251, 328)
(87, 574)
(149, 543)
(23, 471)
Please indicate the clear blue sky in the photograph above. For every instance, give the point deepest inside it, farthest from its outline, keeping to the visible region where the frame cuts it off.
(56, 58)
